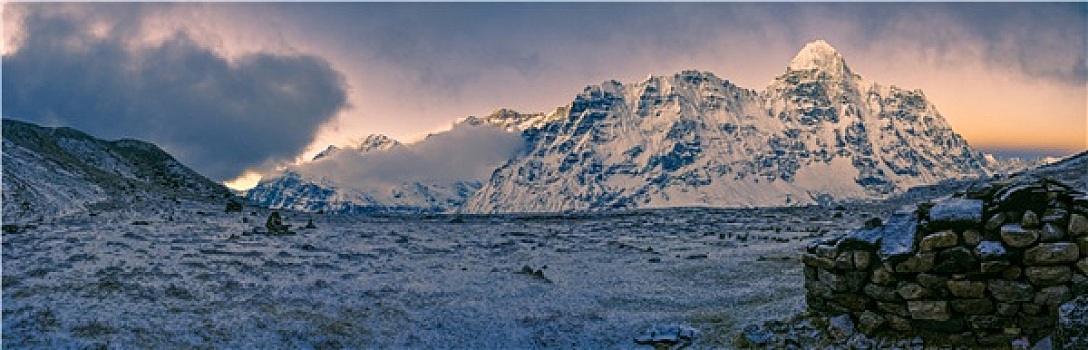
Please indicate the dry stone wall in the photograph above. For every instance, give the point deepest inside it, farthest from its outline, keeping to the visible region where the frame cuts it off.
(980, 268)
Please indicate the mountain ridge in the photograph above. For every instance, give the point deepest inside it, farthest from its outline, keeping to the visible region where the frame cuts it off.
(817, 132)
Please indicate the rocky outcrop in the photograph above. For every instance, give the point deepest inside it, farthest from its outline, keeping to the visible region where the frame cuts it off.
(981, 268)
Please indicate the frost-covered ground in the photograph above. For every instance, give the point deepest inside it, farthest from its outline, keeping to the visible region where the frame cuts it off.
(402, 282)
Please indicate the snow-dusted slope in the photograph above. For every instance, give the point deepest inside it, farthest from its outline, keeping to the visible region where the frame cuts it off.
(51, 172)
(693, 139)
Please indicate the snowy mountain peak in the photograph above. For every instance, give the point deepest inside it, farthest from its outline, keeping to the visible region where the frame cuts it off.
(819, 55)
(377, 142)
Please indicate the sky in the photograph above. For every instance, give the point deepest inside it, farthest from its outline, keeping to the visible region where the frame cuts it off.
(232, 89)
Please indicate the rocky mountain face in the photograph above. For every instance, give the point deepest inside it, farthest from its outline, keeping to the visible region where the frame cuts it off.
(818, 132)
(59, 171)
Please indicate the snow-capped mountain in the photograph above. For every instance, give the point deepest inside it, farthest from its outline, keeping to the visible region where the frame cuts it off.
(693, 139)
(817, 132)
(370, 143)
(58, 171)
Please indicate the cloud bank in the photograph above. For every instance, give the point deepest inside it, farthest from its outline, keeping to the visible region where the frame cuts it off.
(91, 68)
(464, 153)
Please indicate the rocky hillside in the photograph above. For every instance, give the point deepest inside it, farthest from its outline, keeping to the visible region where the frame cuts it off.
(58, 171)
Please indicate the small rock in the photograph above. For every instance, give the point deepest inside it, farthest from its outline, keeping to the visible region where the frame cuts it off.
(841, 327)
(1054, 295)
(990, 250)
(943, 239)
(995, 221)
(869, 322)
(1048, 275)
(912, 291)
(1010, 291)
(928, 310)
(1051, 233)
(1078, 225)
(1017, 237)
(1029, 220)
(971, 238)
(967, 289)
(1052, 253)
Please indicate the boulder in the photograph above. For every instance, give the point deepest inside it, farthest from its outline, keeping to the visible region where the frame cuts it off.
(1052, 253)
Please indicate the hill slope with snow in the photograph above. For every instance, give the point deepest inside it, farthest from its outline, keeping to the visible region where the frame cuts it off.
(58, 171)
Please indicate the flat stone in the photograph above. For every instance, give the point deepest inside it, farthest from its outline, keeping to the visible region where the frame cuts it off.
(836, 282)
(921, 262)
(943, 239)
(851, 301)
(892, 308)
(957, 211)
(869, 322)
(993, 266)
(986, 322)
(1051, 233)
(971, 238)
(1030, 219)
(928, 310)
(1010, 291)
(1052, 253)
(1054, 295)
(883, 276)
(972, 306)
(1054, 215)
(898, 237)
(912, 291)
(1082, 265)
(967, 289)
(818, 289)
(881, 293)
(1007, 309)
(991, 250)
(862, 238)
(1016, 236)
(817, 261)
(1078, 225)
(931, 281)
(899, 323)
(1048, 275)
(862, 259)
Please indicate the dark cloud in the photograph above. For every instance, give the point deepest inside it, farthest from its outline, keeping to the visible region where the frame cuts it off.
(219, 115)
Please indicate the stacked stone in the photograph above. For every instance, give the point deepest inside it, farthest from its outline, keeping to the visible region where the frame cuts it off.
(982, 267)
